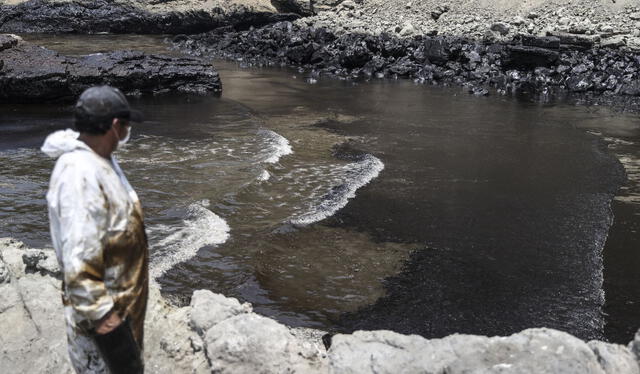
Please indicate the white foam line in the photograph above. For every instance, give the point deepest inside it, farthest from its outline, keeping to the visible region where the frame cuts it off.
(279, 146)
(358, 175)
(264, 176)
(201, 227)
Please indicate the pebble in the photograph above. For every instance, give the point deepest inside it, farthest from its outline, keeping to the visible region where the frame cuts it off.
(607, 29)
(533, 15)
(518, 21)
(407, 29)
(500, 27)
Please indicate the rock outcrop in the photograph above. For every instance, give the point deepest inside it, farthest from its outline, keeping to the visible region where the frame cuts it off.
(216, 334)
(135, 16)
(559, 63)
(239, 341)
(34, 74)
(302, 7)
(34, 340)
(531, 351)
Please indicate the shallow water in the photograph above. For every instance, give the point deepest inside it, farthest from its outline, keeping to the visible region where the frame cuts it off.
(439, 213)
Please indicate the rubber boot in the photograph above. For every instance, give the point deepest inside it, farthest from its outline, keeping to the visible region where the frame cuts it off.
(120, 350)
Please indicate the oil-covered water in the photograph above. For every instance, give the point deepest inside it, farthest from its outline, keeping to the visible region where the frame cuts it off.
(382, 204)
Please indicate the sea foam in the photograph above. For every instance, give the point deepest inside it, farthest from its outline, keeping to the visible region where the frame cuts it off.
(264, 176)
(201, 227)
(357, 175)
(277, 147)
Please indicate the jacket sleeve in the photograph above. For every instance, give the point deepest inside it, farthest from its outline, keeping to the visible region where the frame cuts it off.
(83, 211)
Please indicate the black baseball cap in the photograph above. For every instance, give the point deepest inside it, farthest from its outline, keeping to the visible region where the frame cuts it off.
(98, 106)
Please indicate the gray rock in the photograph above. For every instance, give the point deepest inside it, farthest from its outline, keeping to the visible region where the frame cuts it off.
(479, 91)
(302, 7)
(531, 351)
(209, 309)
(635, 16)
(7, 41)
(533, 15)
(171, 346)
(310, 335)
(11, 252)
(439, 11)
(249, 343)
(33, 334)
(5, 275)
(407, 30)
(41, 261)
(580, 42)
(633, 43)
(579, 83)
(348, 4)
(31, 258)
(614, 41)
(473, 56)
(33, 338)
(606, 29)
(581, 28)
(500, 27)
(324, 5)
(49, 265)
(518, 21)
(614, 358)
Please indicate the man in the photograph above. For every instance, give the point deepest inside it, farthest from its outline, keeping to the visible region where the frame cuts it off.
(98, 233)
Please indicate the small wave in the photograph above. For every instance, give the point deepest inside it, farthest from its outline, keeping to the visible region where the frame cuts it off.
(200, 228)
(264, 176)
(358, 174)
(278, 146)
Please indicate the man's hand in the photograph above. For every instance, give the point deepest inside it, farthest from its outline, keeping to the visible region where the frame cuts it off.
(108, 323)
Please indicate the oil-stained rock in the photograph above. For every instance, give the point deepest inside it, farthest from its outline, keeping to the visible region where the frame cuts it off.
(135, 16)
(35, 74)
(536, 65)
(531, 57)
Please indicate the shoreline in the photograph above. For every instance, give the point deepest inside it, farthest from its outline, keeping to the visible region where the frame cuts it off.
(219, 334)
(556, 67)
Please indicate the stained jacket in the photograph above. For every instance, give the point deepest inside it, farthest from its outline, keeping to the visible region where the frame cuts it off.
(97, 230)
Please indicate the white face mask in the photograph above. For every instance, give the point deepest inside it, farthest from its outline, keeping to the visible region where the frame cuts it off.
(124, 141)
(126, 138)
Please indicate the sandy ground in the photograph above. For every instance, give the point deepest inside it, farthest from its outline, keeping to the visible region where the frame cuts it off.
(476, 18)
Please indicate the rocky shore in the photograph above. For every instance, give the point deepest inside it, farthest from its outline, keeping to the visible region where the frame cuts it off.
(134, 16)
(30, 73)
(586, 50)
(216, 334)
(558, 64)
